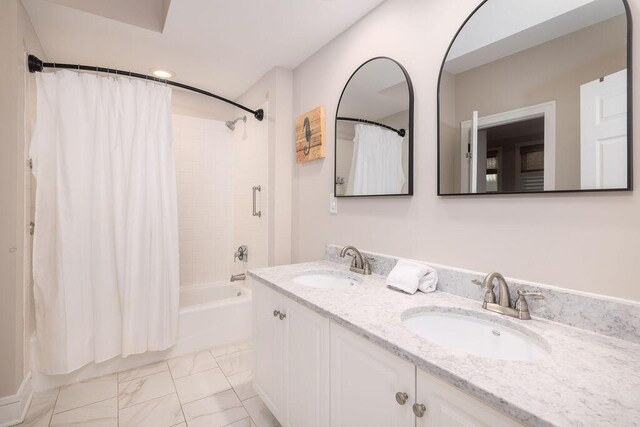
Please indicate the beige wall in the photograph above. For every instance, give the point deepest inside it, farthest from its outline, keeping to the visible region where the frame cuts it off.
(17, 111)
(585, 242)
(553, 71)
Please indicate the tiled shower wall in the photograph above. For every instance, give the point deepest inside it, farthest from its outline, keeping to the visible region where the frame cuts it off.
(204, 169)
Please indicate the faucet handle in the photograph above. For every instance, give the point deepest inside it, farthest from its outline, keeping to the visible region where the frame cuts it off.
(489, 295)
(354, 259)
(486, 285)
(521, 303)
(534, 295)
(367, 265)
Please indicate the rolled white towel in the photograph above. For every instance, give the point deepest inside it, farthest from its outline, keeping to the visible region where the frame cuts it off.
(429, 282)
(406, 276)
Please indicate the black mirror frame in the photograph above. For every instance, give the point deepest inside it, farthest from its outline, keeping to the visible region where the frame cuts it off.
(629, 118)
(410, 130)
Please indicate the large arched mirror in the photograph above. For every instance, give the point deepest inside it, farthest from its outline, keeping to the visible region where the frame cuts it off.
(374, 132)
(535, 96)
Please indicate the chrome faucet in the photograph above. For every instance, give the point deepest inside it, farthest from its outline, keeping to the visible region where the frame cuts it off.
(358, 263)
(236, 277)
(521, 308)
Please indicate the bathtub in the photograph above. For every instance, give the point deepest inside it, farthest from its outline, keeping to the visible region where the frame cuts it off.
(210, 316)
(213, 315)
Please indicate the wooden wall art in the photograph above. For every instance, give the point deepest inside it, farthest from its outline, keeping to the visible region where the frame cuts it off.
(311, 135)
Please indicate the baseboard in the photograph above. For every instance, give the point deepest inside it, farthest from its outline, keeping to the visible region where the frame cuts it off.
(14, 408)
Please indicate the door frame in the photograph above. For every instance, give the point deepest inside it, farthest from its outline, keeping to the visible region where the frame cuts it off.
(546, 110)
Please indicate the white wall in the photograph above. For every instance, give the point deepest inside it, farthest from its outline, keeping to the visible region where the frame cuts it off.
(204, 173)
(16, 114)
(586, 242)
(265, 157)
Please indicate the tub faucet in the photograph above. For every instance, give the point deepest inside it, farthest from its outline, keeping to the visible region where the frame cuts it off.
(521, 308)
(236, 277)
(358, 263)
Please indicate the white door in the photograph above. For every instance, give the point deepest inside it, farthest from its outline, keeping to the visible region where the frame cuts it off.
(479, 159)
(469, 148)
(603, 132)
(267, 340)
(364, 383)
(446, 406)
(475, 158)
(306, 344)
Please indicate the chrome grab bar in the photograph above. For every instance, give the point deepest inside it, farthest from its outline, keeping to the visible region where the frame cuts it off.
(256, 189)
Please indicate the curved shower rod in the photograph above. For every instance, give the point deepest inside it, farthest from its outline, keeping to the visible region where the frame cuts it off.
(36, 65)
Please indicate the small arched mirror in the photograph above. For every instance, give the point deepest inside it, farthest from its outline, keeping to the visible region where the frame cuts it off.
(535, 96)
(374, 132)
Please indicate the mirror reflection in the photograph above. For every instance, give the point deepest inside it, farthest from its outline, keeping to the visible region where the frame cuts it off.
(533, 97)
(374, 132)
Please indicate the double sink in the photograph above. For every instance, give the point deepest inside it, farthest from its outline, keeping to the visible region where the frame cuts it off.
(466, 331)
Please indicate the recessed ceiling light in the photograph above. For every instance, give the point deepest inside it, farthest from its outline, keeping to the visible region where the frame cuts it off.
(163, 74)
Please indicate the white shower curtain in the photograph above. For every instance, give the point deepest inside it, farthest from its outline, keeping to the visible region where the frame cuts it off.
(105, 254)
(376, 165)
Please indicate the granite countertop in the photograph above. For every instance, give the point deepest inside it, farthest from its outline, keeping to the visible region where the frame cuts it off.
(587, 379)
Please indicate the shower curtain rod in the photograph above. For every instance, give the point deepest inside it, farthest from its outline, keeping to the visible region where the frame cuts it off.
(400, 132)
(37, 65)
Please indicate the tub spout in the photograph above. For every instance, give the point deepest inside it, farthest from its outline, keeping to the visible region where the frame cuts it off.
(236, 277)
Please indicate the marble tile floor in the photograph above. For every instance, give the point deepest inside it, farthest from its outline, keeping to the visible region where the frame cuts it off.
(210, 388)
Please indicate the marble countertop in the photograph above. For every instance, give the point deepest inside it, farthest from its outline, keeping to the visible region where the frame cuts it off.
(587, 379)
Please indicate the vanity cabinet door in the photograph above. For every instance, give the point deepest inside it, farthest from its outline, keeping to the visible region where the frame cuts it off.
(364, 383)
(268, 353)
(447, 406)
(306, 376)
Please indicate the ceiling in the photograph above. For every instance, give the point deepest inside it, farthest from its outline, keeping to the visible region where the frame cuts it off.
(149, 14)
(377, 90)
(223, 46)
(503, 27)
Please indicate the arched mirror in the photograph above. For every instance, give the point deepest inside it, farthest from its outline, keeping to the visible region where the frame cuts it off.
(535, 96)
(374, 132)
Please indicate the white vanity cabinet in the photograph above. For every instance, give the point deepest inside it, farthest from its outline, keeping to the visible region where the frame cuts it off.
(291, 359)
(364, 383)
(268, 338)
(445, 405)
(311, 372)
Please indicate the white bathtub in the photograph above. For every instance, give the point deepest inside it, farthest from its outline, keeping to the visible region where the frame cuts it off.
(210, 315)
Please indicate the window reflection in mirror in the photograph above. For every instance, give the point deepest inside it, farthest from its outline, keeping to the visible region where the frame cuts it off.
(533, 97)
(374, 133)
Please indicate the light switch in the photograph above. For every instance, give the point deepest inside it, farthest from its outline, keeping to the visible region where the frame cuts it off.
(333, 204)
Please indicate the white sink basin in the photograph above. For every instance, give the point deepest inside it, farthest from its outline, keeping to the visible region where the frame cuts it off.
(465, 331)
(336, 280)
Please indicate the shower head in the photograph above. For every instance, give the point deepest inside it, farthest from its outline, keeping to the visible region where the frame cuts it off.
(231, 124)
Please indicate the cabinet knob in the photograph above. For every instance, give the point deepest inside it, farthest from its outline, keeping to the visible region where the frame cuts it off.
(419, 409)
(401, 398)
(276, 313)
(283, 316)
